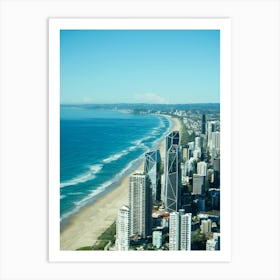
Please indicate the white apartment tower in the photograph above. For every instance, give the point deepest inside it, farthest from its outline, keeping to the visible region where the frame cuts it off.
(140, 204)
(180, 230)
(206, 226)
(174, 231)
(197, 143)
(157, 239)
(185, 231)
(198, 184)
(123, 229)
(202, 168)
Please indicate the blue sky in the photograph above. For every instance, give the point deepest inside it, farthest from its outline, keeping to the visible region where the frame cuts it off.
(135, 66)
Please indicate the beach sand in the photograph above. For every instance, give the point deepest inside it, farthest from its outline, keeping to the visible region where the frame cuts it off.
(90, 222)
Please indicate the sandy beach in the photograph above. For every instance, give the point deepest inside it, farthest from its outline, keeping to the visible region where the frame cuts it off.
(90, 222)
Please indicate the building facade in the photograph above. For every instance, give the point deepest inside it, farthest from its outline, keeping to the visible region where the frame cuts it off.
(203, 124)
(172, 172)
(198, 184)
(202, 168)
(180, 230)
(157, 239)
(174, 232)
(173, 179)
(185, 231)
(206, 226)
(140, 204)
(152, 165)
(123, 229)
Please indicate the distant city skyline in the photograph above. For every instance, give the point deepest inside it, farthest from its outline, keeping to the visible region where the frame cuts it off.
(139, 66)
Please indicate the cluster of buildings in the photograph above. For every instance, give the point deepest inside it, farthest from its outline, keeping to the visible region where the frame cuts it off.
(163, 207)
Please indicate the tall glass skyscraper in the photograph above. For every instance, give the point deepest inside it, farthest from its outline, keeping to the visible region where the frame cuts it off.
(203, 124)
(172, 138)
(152, 166)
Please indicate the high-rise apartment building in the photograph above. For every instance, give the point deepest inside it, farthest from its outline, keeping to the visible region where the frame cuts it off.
(174, 231)
(197, 143)
(140, 204)
(198, 184)
(211, 127)
(202, 168)
(180, 230)
(152, 165)
(216, 165)
(215, 140)
(157, 239)
(206, 226)
(185, 231)
(185, 153)
(123, 229)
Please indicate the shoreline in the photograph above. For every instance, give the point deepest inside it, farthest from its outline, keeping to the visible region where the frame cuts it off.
(84, 227)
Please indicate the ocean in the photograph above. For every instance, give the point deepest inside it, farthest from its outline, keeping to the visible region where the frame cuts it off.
(98, 148)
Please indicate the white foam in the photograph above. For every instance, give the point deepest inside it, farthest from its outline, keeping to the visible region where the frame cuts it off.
(116, 156)
(100, 189)
(89, 175)
(94, 193)
(139, 142)
(120, 154)
(75, 193)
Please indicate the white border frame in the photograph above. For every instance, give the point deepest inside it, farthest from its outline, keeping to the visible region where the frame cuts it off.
(55, 25)
(222, 24)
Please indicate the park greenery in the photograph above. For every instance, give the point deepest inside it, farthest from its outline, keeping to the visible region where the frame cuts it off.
(104, 239)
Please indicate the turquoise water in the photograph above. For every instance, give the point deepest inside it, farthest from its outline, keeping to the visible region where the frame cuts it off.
(98, 148)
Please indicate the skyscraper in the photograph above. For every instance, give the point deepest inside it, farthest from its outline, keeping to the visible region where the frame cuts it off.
(174, 231)
(206, 226)
(152, 165)
(140, 204)
(202, 168)
(211, 127)
(215, 140)
(203, 124)
(123, 229)
(180, 230)
(216, 164)
(185, 231)
(172, 172)
(197, 143)
(198, 184)
(172, 138)
(172, 179)
(157, 239)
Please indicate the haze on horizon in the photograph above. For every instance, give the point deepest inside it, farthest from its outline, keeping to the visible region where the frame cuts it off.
(139, 66)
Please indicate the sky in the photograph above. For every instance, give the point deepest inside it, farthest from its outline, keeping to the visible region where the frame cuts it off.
(139, 66)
